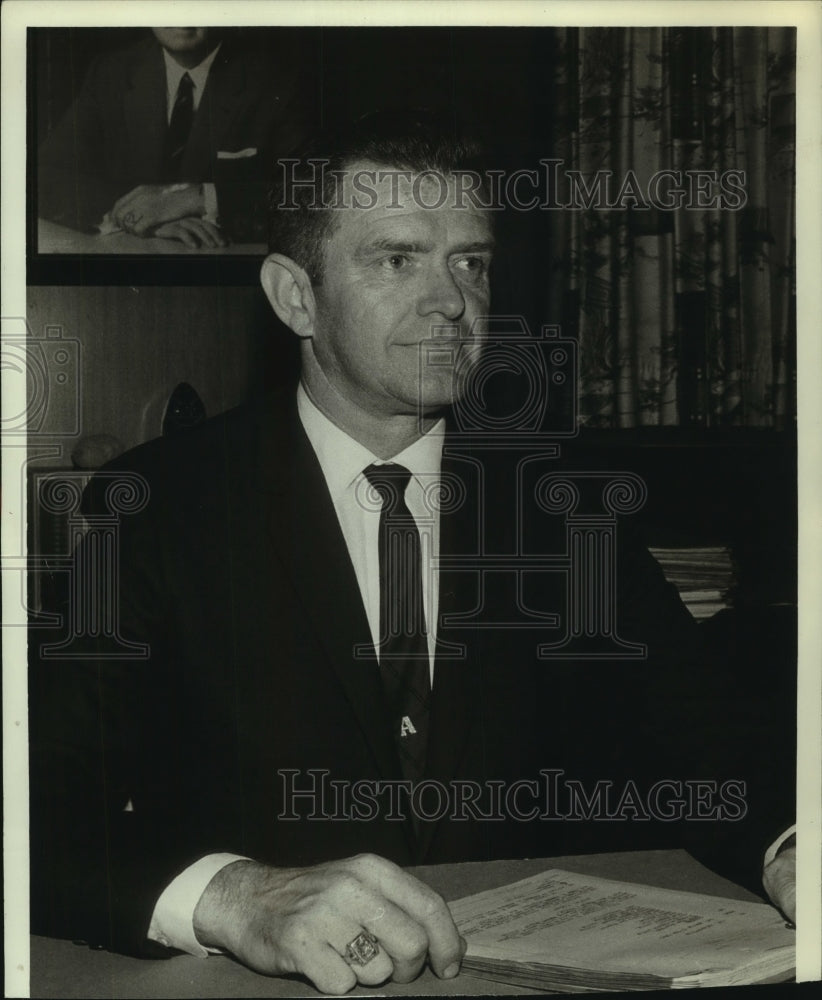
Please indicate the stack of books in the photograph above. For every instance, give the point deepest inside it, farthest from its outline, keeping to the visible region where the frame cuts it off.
(703, 576)
(560, 931)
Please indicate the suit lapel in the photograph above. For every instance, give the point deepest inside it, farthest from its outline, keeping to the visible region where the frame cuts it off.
(456, 691)
(306, 534)
(145, 114)
(221, 99)
(314, 552)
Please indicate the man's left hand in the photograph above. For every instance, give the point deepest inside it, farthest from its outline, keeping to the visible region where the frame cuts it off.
(150, 205)
(779, 880)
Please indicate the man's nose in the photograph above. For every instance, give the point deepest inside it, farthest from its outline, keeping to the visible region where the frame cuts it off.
(441, 295)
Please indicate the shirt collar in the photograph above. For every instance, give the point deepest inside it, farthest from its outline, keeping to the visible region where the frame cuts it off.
(199, 75)
(342, 459)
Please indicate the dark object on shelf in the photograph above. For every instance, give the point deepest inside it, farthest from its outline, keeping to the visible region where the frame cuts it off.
(185, 409)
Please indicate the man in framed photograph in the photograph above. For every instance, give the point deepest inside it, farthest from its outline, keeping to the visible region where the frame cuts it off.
(175, 136)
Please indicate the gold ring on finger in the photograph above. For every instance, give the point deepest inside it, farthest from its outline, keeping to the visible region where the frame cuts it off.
(362, 949)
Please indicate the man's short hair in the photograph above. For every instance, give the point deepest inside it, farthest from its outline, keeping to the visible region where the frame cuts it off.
(417, 140)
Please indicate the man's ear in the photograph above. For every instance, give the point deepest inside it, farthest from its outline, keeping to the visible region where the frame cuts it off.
(289, 291)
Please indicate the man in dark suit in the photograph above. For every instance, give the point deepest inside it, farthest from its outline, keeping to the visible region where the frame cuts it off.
(215, 783)
(176, 136)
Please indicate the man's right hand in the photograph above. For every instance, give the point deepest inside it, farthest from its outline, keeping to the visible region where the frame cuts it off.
(147, 206)
(193, 232)
(286, 920)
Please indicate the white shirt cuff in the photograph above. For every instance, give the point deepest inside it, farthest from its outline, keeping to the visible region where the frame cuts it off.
(107, 226)
(172, 922)
(771, 853)
(212, 213)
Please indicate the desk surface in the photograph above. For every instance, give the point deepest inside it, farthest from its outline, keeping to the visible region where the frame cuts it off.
(61, 969)
(52, 238)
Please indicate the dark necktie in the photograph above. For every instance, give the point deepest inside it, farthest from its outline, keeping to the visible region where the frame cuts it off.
(404, 664)
(179, 128)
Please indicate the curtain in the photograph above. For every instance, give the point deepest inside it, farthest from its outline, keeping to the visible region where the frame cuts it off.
(674, 265)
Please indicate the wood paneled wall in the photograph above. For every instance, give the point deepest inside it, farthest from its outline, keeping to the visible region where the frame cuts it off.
(125, 349)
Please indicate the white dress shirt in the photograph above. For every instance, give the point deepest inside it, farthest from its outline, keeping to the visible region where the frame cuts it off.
(199, 77)
(342, 460)
(175, 72)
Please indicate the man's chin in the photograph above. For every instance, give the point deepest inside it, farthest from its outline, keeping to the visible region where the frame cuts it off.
(184, 39)
(436, 400)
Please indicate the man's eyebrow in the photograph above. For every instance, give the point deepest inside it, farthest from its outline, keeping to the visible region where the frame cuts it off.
(388, 245)
(477, 246)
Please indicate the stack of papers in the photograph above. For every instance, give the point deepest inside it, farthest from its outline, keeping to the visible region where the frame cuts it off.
(578, 933)
(703, 576)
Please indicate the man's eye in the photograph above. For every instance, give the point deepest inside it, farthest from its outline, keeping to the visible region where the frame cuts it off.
(395, 262)
(472, 267)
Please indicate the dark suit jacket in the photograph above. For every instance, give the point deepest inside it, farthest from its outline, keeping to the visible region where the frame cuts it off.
(111, 139)
(237, 575)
